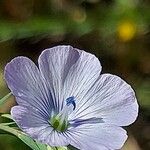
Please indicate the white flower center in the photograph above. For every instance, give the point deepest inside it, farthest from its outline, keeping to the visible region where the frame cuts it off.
(60, 121)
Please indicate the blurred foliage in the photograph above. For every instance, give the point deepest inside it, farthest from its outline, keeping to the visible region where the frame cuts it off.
(22, 19)
(116, 31)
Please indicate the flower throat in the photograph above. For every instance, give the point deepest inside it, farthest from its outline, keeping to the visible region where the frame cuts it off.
(60, 121)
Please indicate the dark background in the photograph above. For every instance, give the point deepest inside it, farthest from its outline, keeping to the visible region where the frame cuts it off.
(116, 31)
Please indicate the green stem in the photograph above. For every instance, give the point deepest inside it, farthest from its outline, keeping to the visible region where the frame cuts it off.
(10, 130)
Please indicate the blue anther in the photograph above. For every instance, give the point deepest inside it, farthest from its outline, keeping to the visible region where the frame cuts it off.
(71, 100)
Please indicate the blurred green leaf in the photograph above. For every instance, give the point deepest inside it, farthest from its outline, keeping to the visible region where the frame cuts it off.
(41, 146)
(7, 124)
(143, 94)
(26, 139)
(10, 130)
(29, 141)
(5, 98)
(42, 26)
(7, 116)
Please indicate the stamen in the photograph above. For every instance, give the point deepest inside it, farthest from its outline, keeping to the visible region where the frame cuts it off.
(71, 100)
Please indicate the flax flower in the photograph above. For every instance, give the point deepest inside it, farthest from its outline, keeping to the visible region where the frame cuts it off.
(65, 100)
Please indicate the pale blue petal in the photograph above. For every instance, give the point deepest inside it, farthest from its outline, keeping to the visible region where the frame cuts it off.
(26, 83)
(68, 72)
(97, 137)
(111, 99)
(47, 135)
(27, 117)
(36, 126)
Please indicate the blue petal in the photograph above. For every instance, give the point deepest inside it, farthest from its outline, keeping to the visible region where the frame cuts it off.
(68, 71)
(27, 85)
(27, 117)
(99, 136)
(111, 99)
(54, 64)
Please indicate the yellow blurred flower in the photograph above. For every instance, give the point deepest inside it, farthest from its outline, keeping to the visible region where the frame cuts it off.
(126, 30)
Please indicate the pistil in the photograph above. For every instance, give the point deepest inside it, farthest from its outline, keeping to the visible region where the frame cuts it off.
(60, 121)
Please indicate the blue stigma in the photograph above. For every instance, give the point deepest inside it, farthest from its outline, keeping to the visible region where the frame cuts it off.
(71, 100)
